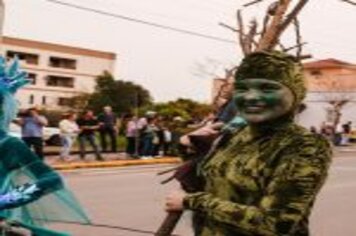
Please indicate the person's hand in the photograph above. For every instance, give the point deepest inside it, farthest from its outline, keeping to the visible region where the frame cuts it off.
(19, 195)
(174, 200)
(208, 130)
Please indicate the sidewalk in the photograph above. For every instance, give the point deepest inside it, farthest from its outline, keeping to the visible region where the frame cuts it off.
(111, 160)
(348, 148)
(120, 159)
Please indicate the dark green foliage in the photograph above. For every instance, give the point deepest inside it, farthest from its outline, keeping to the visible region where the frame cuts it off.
(185, 108)
(122, 96)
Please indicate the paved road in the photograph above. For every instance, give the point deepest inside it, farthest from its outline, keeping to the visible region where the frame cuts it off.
(132, 197)
(335, 210)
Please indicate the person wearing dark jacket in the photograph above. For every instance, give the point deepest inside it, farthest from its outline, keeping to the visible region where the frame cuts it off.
(88, 124)
(107, 128)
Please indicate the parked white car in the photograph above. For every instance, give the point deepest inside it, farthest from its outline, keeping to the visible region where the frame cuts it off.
(50, 134)
(15, 130)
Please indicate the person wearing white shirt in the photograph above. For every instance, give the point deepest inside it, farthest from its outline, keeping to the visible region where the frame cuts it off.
(69, 130)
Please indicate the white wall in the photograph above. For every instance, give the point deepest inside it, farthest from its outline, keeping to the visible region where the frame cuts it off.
(87, 69)
(316, 111)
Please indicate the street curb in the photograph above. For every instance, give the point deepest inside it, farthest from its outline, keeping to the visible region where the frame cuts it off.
(116, 163)
(347, 150)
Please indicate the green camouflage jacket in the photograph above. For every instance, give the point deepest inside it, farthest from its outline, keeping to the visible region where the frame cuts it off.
(262, 183)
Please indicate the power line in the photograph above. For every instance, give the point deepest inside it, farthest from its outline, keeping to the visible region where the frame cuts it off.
(170, 16)
(216, 3)
(144, 22)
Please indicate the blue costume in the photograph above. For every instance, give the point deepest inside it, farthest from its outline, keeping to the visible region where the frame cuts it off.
(31, 193)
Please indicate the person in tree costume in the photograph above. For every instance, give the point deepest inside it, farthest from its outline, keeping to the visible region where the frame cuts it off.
(264, 180)
(31, 193)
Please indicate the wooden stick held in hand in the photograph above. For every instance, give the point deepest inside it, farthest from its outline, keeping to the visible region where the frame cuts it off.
(169, 223)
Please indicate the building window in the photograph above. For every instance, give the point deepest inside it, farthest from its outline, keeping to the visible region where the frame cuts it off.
(30, 58)
(31, 99)
(44, 100)
(65, 101)
(32, 77)
(60, 81)
(65, 63)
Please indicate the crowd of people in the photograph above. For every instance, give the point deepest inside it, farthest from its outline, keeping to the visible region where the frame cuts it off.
(146, 137)
(339, 135)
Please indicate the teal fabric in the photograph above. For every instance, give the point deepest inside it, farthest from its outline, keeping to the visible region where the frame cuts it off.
(40, 231)
(19, 166)
(237, 122)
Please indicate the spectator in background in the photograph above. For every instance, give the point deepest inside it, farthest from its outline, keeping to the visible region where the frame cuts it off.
(32, 130)
(327, 131)
(142, 124)
(131, 135)
(338, 134)
(148, 135)
(88, 124)
(107, 123)
(69, 130)
(346, 133)
(323, 129)
(167, 140)
(158, 140)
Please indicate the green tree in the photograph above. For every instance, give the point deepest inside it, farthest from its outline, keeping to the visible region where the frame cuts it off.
(185, 108)
(122, 96)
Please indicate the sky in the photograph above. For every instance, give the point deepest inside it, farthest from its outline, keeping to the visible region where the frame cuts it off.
(169, 63)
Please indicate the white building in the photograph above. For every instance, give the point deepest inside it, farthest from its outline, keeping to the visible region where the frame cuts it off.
(58, 72)
(330, 81)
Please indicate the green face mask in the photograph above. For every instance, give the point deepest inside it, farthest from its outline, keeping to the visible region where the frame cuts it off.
(262, 100)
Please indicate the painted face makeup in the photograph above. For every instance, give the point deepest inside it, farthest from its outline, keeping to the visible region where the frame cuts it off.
(261, 100)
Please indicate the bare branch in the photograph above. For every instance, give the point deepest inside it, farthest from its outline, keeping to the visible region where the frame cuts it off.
(208, 68)
(228, 27)
(272, 8)
(225, 90)
(281, 46)
(304, 57)
(298, 37)
(250, 36)
(252, 3)
(230, 72)
(349, 2)
(294, 47)
(276, 28)
(241, 32)
(270, 38)
(291, 16)
(265, 24)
